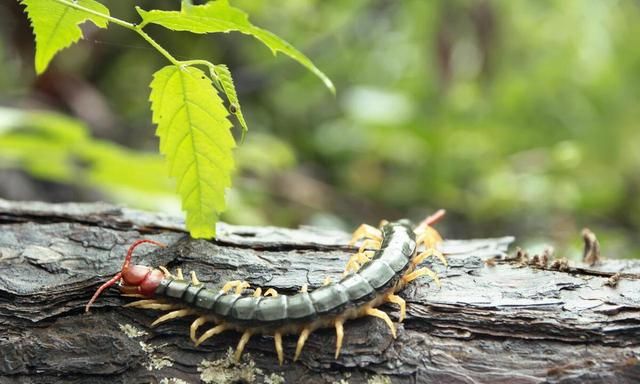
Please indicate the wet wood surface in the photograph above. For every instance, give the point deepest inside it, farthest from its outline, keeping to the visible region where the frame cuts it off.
(495, 319)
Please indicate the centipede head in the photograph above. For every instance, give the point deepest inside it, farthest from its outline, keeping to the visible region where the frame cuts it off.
(133, 279)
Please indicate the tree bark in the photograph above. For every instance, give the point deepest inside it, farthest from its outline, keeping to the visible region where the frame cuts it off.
(494, 319)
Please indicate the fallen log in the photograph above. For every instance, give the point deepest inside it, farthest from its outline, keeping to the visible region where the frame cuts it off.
(495, 319)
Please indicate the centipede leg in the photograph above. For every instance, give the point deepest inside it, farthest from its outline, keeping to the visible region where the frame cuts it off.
(352, 264)
(212, 332)
(150, 304)
(381, 315)
(369, 244)
(156, 306)
(194, 279)
(194, 327)
(304, 288)
(339, 335)
(237, 284)
(421, 272)
(138, 303)
(399, 301)
(179, 275)
(365, 256)
(277, 337)
(357, 260)
(257, 292)
(166, 272)
(365, 231)
(172, 315)
(304, 335)
(242, 343)
(271, 292)
(429, 237)
(327, 281)
(429, 252)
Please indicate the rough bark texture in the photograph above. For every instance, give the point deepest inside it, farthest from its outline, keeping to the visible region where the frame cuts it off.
(508, 322)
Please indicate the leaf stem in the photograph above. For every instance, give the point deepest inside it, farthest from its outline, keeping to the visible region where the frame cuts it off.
(125, 24)
(212, 70)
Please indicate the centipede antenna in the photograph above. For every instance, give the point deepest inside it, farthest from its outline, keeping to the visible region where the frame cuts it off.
(430, 220)
(104, 286)
(127, 259)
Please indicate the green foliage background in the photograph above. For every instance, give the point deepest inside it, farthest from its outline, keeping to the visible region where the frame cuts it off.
(518, 117)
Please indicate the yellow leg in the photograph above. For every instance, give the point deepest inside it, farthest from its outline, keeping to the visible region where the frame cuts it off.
(271, 292)
(171, 315)
(278, 339)
(179, 275)
(366, 231)
(356, 261)
(166, 272)
(151, 304)
(429, 237)
(399, 301)
(304, 288)
(365, 256)
(421, 272)
(257, 292)
(237, 284)
(212, 332)
(327, 281)
(339, 335)
(194, 279)
(138, 303)
(429, 252)
(369, 244)
(352, 265)
(301, 340)
(194, 327)
(242, 343)
(379, 314)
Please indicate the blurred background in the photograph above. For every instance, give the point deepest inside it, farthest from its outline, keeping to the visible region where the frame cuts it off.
(520, 118)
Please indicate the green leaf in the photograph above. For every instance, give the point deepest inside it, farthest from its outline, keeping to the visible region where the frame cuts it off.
(219, 16)
(56, 25)
(224, 76)
(195, 136)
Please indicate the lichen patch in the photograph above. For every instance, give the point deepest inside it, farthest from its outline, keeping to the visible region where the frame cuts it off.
(227, 370)
(274, 378)
(379, 379)
(156, 360)
(131, 331)
(172, 380)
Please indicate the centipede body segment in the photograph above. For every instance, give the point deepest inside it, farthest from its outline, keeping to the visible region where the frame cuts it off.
(387, 260)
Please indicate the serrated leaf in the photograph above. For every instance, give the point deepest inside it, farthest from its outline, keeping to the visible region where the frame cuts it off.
(224, 76)
(56, 26)
(219, 16)
(195, 136)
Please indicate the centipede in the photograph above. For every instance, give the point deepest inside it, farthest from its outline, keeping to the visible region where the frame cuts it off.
(388, 259)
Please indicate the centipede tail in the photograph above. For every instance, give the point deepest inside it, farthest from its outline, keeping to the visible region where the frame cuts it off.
(387, 260)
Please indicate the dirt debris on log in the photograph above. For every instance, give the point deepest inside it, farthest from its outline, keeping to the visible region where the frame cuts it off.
(490, 322)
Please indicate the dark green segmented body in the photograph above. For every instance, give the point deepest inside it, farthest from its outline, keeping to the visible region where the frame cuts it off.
(378, 275)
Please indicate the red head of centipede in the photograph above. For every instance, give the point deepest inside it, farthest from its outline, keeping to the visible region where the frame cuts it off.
(134, 279)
